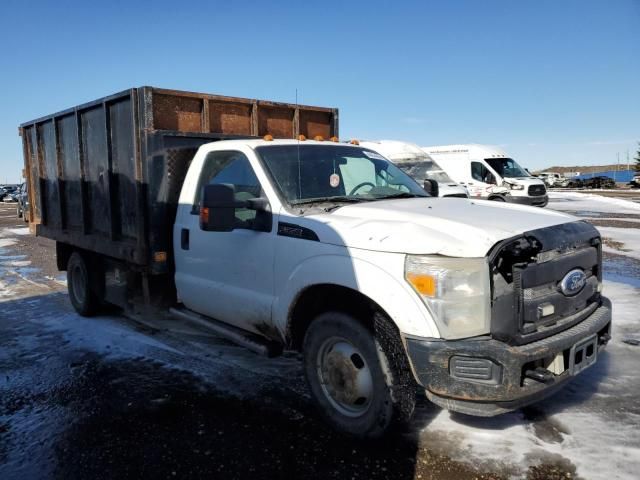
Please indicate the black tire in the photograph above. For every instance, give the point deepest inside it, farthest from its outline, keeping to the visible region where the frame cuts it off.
(82, 291)
(25, 216)
(390, 399)
(497, 199)
(18, 211)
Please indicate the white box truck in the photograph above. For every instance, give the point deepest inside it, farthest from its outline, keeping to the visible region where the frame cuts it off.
(488, 172)
(415, 162)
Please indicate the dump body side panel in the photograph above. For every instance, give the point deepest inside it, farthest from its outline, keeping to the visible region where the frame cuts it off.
(106, 175)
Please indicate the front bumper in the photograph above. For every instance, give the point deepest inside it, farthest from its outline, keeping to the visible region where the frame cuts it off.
(538, 201)
(510, 387)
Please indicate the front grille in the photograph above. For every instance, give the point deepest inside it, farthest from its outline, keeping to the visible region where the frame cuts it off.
(537, 190)
(527, 301)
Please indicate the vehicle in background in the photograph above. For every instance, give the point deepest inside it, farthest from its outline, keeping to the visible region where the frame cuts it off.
(22, 208)
(575, 183)
(635, 181)
(9, 193)
(489, 173)
(553, 179)
(600, 181)
(418, 165)
(314, 246)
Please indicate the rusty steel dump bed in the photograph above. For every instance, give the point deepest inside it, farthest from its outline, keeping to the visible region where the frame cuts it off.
(106, 175)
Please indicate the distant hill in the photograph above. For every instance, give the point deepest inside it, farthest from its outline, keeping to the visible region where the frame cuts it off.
(583, 169)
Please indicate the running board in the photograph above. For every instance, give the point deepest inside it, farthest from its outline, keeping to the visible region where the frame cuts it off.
(251, 341)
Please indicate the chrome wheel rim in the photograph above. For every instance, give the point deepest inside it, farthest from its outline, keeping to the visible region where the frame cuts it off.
(345, 377)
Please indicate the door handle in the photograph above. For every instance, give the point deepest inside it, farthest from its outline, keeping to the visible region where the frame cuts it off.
(184, 239)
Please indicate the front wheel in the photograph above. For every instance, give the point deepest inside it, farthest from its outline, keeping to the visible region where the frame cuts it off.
(359, 385)
(18, 211)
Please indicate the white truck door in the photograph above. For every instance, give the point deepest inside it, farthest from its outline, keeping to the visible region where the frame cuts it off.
(482, 182)
(227, 275)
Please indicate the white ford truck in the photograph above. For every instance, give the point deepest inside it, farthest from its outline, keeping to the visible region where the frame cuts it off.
(331, 250)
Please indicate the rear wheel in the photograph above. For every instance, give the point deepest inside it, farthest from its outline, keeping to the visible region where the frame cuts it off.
(81, 289)
(357, 383)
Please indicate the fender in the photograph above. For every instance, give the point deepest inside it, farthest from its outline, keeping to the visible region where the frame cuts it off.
(382, 281)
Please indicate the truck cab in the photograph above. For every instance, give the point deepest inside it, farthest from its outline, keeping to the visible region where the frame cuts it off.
(488, 172)
(417, 164)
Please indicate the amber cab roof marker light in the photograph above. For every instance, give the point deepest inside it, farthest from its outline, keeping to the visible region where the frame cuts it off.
(268, 138)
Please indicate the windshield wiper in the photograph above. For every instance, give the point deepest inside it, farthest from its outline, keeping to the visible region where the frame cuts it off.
(343, 198)
(401, 195)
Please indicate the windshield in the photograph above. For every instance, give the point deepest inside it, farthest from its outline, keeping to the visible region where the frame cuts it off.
(424, 169)
(507, 167)
(308, 173)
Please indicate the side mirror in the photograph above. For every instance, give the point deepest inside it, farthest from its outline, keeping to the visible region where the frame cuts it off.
(431, 187)
(218, 208)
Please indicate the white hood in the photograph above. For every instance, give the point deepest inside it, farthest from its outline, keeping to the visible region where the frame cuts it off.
(447, 226)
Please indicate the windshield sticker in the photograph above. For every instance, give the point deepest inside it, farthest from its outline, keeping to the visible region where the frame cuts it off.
(374, 155)
(334, 180)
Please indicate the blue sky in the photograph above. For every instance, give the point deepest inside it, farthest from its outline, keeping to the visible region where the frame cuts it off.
(554, 82)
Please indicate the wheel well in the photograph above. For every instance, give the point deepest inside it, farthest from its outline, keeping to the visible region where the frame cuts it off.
(324, 297)
(494, 197)
(63, 252)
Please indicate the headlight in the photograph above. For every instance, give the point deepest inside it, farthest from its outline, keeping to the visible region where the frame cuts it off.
(455, 290)
(515, 186)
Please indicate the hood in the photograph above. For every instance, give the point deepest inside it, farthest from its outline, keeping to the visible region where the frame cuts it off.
(524, 180)
(447, 226)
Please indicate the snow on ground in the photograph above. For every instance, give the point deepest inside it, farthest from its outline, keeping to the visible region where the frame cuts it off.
(592, 423)
(18, 231)
(593, 207)
(588, 202)
(629, 237)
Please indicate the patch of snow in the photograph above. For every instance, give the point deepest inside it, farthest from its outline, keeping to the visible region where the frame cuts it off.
(592, 422)
(579, 202)
(7, 242)
(18, 231)
(15, 263)
(629, 237)
(613, 217)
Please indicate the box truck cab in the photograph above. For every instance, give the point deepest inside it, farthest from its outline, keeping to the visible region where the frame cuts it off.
(488, 172)
(319, 247)
(418, 165)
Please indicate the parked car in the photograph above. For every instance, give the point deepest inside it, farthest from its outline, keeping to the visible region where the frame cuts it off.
(22, 208)
(600, 181)
(553, 179)
(323, 248)
(575, 183)
(635, 181)
(9, 193)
